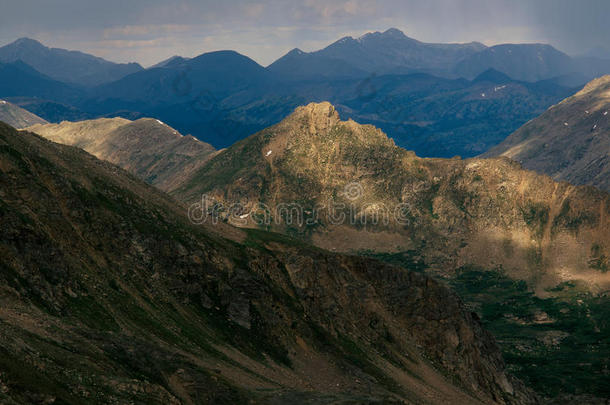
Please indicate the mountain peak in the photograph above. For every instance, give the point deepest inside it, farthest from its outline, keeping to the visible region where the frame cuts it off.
(594, 85)
(391, 33)
(394, 32)
(295, 51)
(171, 61)
(494, 76)
(319, 116)
(321, 109)
(316, 121)
(28, 42)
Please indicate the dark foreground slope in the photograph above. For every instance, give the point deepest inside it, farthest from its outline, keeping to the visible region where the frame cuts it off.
(109, 295)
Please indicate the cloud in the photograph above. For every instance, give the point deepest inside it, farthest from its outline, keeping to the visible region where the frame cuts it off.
(254, 10)
(144, 30)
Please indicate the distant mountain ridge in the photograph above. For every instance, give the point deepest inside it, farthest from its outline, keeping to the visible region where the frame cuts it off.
(389, 52)
(392, 52)
(148, 148)
(18, 79)
(528, 62)
(222, 97)
(380, 78)
(68, 66)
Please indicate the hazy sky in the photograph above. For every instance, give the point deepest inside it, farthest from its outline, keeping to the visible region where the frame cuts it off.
(148, 31)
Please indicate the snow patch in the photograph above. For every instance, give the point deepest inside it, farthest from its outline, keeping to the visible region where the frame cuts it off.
(2, 102)
(160, 122)
(606, 113)
(566, 124)
(268, 153)
(482, 94)
(244, 216)
(498, 88)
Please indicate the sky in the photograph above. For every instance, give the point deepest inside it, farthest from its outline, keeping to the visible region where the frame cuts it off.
(148, 31)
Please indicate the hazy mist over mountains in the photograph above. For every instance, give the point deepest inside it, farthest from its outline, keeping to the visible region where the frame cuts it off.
(282, 202)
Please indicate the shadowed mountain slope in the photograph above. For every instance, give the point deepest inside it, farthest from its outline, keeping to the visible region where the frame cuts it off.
(529, 62)
(66, 66)
(18, 79)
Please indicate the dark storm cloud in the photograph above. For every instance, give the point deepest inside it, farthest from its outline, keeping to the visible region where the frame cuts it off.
(150, 30)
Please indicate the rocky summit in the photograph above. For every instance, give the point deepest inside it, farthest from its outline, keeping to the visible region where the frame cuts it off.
(452, 212)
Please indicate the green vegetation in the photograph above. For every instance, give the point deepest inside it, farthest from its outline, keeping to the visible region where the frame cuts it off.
(556, 345)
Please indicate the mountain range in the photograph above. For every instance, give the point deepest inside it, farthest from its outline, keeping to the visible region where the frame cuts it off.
(67, 66)
(480, 225)
(382, 221)
(111, 295)
(570, 141)
(392, 52)
(381, 78)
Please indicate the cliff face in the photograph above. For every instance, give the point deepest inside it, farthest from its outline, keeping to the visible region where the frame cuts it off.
(109, 294)
(570, 141)
(484, 212)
